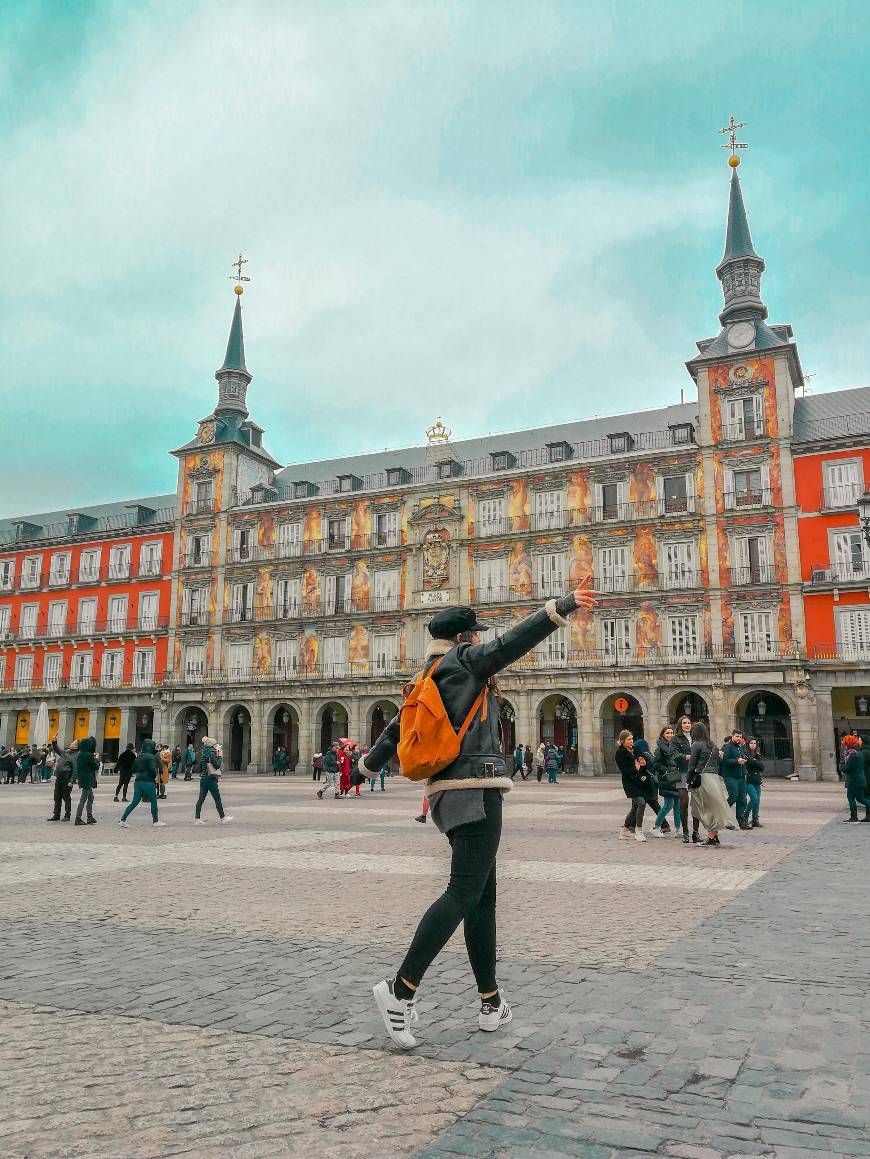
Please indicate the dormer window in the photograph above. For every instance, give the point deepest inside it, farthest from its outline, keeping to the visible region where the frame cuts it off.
(396, 476)
(349, 483)
(502, 460)
(682, 434)
(302, 489)
(558, 452)
(447, 468)
(620, 443)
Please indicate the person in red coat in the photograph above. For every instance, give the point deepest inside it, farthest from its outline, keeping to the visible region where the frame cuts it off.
(344, 770)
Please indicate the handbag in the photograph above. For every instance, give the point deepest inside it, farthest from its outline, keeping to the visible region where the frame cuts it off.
(694, 781)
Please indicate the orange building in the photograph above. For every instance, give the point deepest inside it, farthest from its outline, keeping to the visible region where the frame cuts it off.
(84, 609)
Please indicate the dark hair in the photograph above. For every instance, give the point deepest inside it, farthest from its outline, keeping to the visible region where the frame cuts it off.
(752, 740)
(700, 732)
(680, 720)
(667, 728)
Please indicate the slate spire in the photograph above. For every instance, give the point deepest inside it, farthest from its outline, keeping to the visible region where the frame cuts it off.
(233, 376)
(234, 359)
(741, 268)
(738, 241)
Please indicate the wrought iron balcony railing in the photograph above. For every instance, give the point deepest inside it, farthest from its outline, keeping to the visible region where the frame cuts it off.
(753, 574)
(747, 497)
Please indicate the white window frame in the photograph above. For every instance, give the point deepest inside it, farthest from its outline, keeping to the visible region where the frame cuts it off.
(81, 669)
(112, 667)
(387, 528)
(199, 551)
(288, 597)
(59, 568)
(89, 565)
(194, 605)
(23, 676)
(492, 515)
(843, 482)
(756, 634)
(57, 610)
(239, 659)
(550, 574)
(491, 579)
(847, 564)
(144, 664)
(615, 639)
(741, 570)
(244, 539)
(83, 627)
(621, 512)
(288, 539)
(285, 658)
(120, 555)
(553, 651)
(739, 500)
(613, 568)
(7, 575)
(666, 506)
(5, 620)
(242, 602)
(734, 422)
(383, 653)
(678, 573)
(340, 540)
(151, 558)
(333, 655)
(386, 589)
(683, 638)
(852, 626)
(193, 661)
(27, 621)
(148, 620)
(333, 605)
(550, 509)
(31, 572)
(116, 619)
(52, 670)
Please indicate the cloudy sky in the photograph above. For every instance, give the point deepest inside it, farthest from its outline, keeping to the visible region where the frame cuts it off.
(507, 214)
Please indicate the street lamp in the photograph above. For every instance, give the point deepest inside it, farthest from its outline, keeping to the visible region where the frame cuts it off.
(864, 515)
(762, 708)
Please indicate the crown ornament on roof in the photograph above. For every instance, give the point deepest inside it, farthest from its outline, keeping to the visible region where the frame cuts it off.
(437, 435)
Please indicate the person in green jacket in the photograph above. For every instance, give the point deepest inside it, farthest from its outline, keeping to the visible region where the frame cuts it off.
(209, 762)
(734, 758)
(146, 770)
(86, 775)
(853, 772)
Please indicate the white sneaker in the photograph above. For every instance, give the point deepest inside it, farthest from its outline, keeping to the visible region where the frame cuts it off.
(492, 1017)
(639, 835)
(624, 834)
(656, 832)
(397, 1014)
(678, 832)
(155, 823)
(124, 824)
(225, 819)
(199, 821)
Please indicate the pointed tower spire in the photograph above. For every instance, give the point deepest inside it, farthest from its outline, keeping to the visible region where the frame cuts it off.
(233, 377)
(741, 268)
(738, 241)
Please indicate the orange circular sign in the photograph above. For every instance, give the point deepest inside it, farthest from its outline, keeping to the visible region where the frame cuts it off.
(620, 704)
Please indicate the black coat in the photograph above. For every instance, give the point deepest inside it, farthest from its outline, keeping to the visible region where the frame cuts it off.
(125, 762)
(147, 766)
(463, 671)
(635, 782)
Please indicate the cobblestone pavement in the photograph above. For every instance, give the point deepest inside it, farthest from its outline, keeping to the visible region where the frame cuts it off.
(206, 991)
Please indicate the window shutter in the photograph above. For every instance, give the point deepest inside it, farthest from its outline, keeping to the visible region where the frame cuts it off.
(329, 589)
(690, 490)
(765, 483)
(660, 494)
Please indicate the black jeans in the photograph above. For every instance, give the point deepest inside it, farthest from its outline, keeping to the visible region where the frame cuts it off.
(634, 817)
(123, 784)
(62, 797)
(209, 785)
(469, 898)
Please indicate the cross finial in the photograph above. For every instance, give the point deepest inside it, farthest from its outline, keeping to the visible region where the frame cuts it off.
(238, 278)
(733, 144)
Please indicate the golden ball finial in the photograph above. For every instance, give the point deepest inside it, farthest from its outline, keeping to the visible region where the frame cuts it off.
(733, 160)
(239, 289)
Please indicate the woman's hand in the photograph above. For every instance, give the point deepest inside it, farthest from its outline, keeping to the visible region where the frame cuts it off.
(584, 596)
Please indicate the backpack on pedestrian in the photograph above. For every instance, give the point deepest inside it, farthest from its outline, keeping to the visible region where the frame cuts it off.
(428, 742)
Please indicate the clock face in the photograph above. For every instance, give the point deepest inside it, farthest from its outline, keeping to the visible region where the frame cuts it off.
(206, 432)
(741, 334)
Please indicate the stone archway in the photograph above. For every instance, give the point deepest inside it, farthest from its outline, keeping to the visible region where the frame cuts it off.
(557, 721)
(378, 717)
(237, 742)
(767, 717)
(191, 725)
(507, 719)
(620, 710)
(282, 729)
(332, 723)
(690, 704)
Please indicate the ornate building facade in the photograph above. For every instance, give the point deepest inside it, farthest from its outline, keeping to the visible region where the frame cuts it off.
(298, 596)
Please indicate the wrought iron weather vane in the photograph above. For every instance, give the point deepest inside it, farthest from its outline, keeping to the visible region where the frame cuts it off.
(238, 277)
(733, 144)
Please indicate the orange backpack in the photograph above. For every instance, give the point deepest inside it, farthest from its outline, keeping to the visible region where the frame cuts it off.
(428, 742)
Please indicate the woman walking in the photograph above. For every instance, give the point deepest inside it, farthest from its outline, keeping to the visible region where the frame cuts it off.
(164, 756)
(209, 763)
(344, 770)
(754, 769)
(466, 800)
(635, 784)
(853, 775)
(146, 770)
(124, 769)
(667, 776)
(709, 803)
(681, 747)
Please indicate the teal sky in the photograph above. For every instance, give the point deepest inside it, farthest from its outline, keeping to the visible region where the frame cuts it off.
(504, 214)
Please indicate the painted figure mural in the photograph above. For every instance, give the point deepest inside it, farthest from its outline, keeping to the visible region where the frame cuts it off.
(308, 649)
(360, 588)
(578, 499)
(645, 558)
(311, 529)
(582, 560)
(358, 648)
(262, 661)
(642, 489)
(649, 632)
(519, 509)
(310, 592)
(520, 570)
(360, 526)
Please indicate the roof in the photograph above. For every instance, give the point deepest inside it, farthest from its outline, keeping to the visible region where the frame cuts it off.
(588, 437)
(234, 359)
(835, 414)
(738, 242)
(108, 516)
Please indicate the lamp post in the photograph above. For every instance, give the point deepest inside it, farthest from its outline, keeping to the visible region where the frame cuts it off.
(864, 516)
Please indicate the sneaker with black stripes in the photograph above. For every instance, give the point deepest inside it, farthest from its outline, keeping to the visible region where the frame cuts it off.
(492, 1017)
(397, 1013)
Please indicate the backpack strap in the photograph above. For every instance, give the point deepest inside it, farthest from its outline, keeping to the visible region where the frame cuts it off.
(480, 702)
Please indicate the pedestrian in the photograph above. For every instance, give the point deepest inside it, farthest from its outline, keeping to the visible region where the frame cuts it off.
(642, 749)
(7, 764)
(209, 763)
(572, 761)
(382, 774)
(424, 812)
(853, 775)
(528, 761)
(64, 775)
(551, 763)
(540, 757)
(754, 769)
(189, 760)
(330, 771)
(635, 784)
(147, 771)
(466, 798)
(344, 770)
(49, 760)
(734, 774)
(164, 756)
(667, 777)
(124, 769)
(709, 804)
(280, 762)
(357, 776)
(682, 748)
(518, 762)
(317, 766)
(25, 763)
(176, 762)
(86, 775)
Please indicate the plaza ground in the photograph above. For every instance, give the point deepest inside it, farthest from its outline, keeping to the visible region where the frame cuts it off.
(199, 992)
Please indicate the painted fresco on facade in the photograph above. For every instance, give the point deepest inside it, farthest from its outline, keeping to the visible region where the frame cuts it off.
(727, 623)
(703, 561)
(263, 591)
(645, 557)
(266, 530)
(311, 529)
(311, 592)
(203, 466)
(262, 661)
(582, 631)
(520, 571)
(642, 485)
(358, 648)
(649, 630)
(360, 586)
(582, 560)
(360, 525)
(519, 506)
(578, 499)
(309, 647)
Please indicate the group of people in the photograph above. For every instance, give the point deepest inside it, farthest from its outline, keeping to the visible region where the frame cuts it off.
(691, 775)
(549, 758)
(30, 763)
(339, 766)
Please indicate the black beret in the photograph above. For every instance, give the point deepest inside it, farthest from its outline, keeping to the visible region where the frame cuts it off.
(449, 622)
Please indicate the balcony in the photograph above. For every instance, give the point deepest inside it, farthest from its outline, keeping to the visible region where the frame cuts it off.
(114, 626)
(197, 619)
(117, 571)
(89, 575)
(249, 553)
(58, 579)
(293, 610)
(198, 558)
(845, 496)
(858, 653)
(29, 583)
(744, 432)
(201, 506)
(748, 497)
(53, 683)
(841, 575)
(149, 568)
(753, 575)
